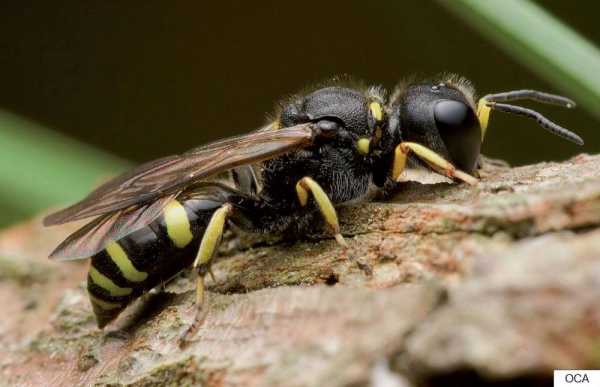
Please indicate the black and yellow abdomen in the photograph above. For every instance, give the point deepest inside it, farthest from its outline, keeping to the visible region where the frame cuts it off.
(131, 266)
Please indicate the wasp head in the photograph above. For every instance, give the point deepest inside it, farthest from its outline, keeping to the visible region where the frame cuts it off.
(443, 116)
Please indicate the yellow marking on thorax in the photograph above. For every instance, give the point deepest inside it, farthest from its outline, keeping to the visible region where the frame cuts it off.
(106, 283)
(104, 304)
(483, 114)
(363, 145)
(376, 110)
(178, 224)
(120, 258)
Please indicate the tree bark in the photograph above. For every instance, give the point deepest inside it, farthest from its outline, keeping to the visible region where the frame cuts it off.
(497, 283)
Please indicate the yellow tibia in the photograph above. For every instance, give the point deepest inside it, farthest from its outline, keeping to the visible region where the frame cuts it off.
(363, 145)
(483, 114)
(307, 184)
(120, 258)
(302, 194)
(400, 155)
(428, 155)
(436, 161)
(212, 235)
(106, 283)
(178, 224)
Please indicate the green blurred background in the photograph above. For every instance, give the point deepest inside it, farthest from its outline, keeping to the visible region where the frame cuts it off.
(139, 80)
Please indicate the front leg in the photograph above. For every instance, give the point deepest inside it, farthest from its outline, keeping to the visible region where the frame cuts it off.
(434, 160)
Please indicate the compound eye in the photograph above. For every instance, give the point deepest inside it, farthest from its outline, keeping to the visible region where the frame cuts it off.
(456, 124)
(452, 114)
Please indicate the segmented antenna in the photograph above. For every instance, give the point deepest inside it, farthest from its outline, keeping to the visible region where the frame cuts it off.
(492, 101)
(533, 95)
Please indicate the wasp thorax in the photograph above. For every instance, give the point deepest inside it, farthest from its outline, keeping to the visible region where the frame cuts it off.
(347, 107)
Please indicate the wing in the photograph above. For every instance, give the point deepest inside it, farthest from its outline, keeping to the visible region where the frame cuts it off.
(172, 174)
(94, 236)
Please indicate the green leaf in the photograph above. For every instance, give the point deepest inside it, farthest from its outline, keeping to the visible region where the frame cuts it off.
(540, 41)
(40, 168)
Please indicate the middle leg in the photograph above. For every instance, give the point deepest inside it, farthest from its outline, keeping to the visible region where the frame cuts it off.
(307, 185)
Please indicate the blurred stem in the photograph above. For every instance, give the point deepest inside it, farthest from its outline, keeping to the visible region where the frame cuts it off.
(541, 42)
(40, 168)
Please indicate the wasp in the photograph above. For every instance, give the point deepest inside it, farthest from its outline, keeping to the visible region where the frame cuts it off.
(324, 147)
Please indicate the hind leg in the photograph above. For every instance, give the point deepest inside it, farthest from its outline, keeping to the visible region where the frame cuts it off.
(210, 242)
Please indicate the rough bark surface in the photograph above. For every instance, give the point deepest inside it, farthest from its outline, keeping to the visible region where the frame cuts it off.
(489, 285)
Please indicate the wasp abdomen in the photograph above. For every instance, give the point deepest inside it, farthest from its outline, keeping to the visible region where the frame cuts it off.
(152, 255)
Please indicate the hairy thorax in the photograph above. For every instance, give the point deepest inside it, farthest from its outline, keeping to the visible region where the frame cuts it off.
(344, 175)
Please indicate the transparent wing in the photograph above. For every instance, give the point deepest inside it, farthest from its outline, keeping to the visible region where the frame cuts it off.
(172, 174)
(94, 236)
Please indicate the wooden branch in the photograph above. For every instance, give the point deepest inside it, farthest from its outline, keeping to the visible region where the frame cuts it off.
(469, 285)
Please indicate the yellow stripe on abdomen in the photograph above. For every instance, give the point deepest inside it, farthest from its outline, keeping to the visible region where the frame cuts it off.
(105, 305)
(107, 284)
(120, 258)
(178, 224)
